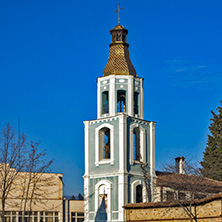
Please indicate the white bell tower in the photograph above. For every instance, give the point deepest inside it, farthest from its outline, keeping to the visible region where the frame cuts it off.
(118, 139)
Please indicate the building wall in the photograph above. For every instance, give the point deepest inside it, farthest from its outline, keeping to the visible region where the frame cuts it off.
(73, 210)
(121, 173)
(206, 212)
(45, 200)
(47, 204)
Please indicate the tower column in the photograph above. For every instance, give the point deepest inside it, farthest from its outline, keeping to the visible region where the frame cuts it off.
(112, 96)
(131, 96)
(99, 101)
(141, 83)
(122, 179)
(86, 176)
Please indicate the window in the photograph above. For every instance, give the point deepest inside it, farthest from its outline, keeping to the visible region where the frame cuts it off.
(48, 216)
(199, 196)
(105, 102)
(136, 103)
(181, 196)
(10, 216)
(121, 101)
(104, 143)
(136, 144)
(139, 194)
(32, 216)
(77, 217)
(103, 196)
(138, 147)
(28, 216)
(170, 195)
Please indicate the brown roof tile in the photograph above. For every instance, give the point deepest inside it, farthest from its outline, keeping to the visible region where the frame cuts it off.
(172, 203)
(186, 182)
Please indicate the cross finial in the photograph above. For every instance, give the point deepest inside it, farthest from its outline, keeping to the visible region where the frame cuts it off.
(118, 10)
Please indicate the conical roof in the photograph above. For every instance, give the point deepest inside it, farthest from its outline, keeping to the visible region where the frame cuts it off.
(119, 62)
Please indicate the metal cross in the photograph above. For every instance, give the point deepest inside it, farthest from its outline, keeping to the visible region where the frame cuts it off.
(118, 10)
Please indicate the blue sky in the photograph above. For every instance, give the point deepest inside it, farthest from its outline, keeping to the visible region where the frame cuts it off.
(51, 53)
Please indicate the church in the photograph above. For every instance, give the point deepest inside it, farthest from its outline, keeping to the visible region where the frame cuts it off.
(117, 143)
(118, 139)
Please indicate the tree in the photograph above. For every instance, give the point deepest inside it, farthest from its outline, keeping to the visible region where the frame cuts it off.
(22, 166)
(72, 197)
(186, 187)
(212, 160)
(80, 197)
(12, 161)
(33, 179)
(183, 188)
(147, 180)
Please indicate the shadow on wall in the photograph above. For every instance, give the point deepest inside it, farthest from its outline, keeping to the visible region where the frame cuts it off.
(101, 215)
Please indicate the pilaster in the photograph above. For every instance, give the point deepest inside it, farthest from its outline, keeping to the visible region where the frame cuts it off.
(99, 100)
(131, 96)
(86, 176)
(152, 148)
(112, 96)
(86, 148)
(141, 103)
(122, 179)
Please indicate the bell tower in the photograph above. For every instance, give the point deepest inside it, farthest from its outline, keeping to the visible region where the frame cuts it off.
(118, 139)
(119, 90)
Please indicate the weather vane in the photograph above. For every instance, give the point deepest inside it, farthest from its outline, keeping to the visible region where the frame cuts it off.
(118, 10)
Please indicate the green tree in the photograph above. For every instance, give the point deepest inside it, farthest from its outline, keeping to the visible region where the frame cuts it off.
(80, 197)
(72, 197)
(212, 160)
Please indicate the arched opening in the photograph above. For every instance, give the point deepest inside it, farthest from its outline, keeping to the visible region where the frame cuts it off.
(103, 200)
(136, 103)
(139, 198)
(136, 144)
(104, 143)
(103, 196)
(121, 101)
(105, 102)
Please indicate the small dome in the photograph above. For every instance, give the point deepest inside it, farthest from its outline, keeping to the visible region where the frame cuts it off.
(119, 62)
(119, 27)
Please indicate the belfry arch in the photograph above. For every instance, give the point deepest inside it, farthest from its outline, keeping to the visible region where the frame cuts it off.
(138, 144)
(104, 144)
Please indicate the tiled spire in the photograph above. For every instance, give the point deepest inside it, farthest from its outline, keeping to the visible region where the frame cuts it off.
(119, 62)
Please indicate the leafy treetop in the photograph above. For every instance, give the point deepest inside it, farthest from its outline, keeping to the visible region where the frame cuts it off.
(212, 160)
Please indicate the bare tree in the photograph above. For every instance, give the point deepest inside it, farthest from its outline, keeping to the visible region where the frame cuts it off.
(12, 161)
(22, 173)
(147, 179)
(185, 185)
(149, 175)
(181, 184)
(33, 179)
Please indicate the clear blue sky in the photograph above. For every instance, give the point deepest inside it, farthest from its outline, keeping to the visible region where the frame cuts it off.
(51, 53)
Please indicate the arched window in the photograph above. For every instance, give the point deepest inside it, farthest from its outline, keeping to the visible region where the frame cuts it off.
(104, 143)
(103, 195)
(139, 198)
(121, 101)
(103, 200)
(136, 143)
(136, 103)
(105, 102)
